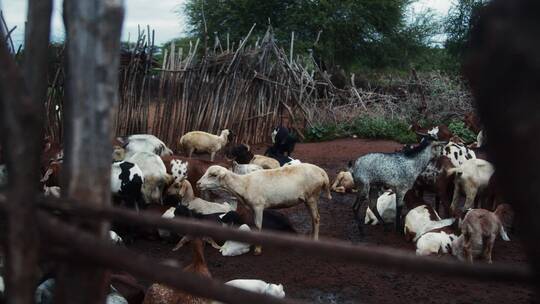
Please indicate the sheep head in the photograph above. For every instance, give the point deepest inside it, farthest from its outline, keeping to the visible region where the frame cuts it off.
(213, 178)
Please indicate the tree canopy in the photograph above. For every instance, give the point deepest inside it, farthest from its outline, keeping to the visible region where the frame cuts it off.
(368, 33)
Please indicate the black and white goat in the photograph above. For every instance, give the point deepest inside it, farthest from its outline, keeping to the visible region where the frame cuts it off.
(283, 141)
(126, 184)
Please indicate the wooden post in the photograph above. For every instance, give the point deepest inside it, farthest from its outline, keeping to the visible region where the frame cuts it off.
(22, 98)
(93, 29)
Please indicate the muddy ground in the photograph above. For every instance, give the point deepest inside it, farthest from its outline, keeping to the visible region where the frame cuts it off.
(320, 280)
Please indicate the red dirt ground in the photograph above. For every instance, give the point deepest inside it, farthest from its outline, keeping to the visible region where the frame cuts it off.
(320, 280)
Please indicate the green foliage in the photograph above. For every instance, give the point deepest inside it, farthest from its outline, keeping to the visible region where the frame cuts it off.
(458, 24)
(459, 128)
(373, 34)
(364, 127)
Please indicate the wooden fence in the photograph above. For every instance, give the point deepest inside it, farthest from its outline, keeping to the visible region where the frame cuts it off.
(35, 230)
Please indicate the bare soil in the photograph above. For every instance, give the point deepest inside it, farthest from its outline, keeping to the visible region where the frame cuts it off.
(321, 280)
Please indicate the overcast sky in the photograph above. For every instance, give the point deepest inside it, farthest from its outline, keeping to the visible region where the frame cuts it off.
(161, 15)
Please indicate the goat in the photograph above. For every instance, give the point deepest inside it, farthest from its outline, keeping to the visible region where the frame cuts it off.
(275, 290)
(242, 155)
(115, 238)
(386, 207)
(160, 293)
(479, 229)
(472, 177)
(272, 219)
(183, 211)
(435, 178)
(275, 188)
(156, 179)
(144, 143)
(397, 171)
(244, 168)
(283, 141)
(421, 220)
(198, 141)
(440, 132)
(235, 248)
(126, 184)
(458, 153)
(195, 168)
(184, 190)
(274, 153)
(435, 243)
(344, 182)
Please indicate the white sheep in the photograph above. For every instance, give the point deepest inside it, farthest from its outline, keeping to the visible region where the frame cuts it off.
(421, 220)
(265, 162)
(275, 188)
(472, 177)
(244, 168)
(156, 179)
(435, 243)
(184, 190)
(386, 206)
(234, 248)
(198, 141)
(344, 182)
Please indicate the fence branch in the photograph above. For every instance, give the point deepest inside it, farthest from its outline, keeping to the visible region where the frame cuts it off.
(22, 94)
(75, 244)
(342, 251)
(93, 58)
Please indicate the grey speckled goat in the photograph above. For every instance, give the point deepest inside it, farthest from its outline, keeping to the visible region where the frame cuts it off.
(397, 171)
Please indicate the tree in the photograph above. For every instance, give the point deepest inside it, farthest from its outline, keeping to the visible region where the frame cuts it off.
(458, 24)
(350, 31)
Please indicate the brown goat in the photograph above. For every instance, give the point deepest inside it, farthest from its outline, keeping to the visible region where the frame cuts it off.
(162, 294)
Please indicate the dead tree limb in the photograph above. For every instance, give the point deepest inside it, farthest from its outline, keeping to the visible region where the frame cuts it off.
(93, 57)
(22, 95)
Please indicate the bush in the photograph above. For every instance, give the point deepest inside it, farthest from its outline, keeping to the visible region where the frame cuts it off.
(365, 127)
(459, 129)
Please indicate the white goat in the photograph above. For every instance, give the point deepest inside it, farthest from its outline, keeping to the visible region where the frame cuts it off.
(234, 248)
(198, 141)
(344, 182)
(156, 179)
(275, 290)
(276, 188)
(244, 168)
(435, 243)
(421, 220)
(386, 206)
(471, 177)
(184, 190)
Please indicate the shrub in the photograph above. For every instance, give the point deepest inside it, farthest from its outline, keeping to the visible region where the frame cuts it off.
(459, 129)
(365, 127)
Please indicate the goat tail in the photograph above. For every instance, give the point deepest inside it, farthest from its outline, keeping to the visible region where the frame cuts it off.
(503, 234)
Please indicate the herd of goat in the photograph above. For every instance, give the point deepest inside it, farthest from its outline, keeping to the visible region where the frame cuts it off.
(245, 189)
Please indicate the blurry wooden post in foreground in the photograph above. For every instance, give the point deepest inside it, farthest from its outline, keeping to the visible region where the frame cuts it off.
(93, 29)
(22, 95)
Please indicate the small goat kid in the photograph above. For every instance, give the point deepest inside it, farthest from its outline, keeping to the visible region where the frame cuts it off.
(276, 188)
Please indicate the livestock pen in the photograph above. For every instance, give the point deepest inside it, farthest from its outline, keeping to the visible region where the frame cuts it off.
(76, 239)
